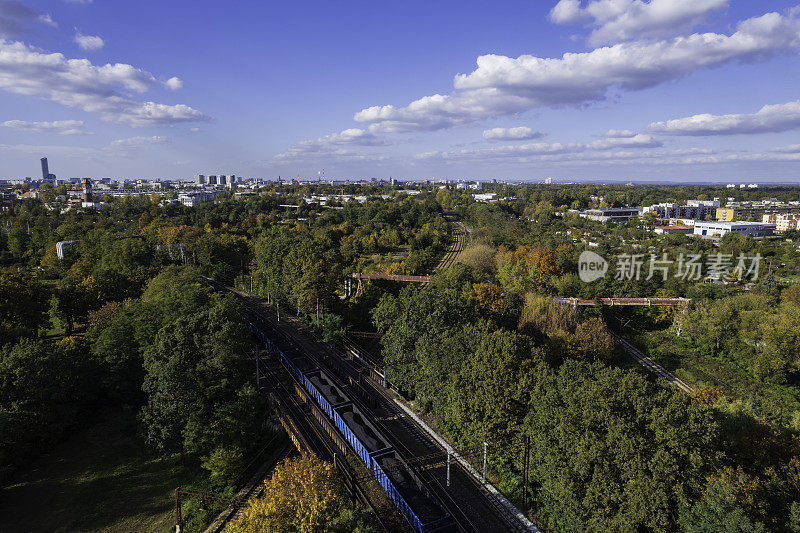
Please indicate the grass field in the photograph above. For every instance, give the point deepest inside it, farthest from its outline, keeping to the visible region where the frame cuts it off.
(100, 479)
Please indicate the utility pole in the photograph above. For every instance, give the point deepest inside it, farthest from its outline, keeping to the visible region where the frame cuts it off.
(526, 472)
(177, 512)
(278, 306)
(485, 446)
(448, 468)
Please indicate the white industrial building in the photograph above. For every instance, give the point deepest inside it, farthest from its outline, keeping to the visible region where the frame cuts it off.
(612, 214)
(196, 198)
(718, 229)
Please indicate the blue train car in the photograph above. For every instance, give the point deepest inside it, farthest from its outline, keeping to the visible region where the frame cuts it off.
(403, 487)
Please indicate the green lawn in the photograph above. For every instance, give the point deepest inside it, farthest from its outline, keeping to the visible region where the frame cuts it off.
(97, 480)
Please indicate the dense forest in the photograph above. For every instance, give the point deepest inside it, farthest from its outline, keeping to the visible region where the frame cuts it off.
(125, 321)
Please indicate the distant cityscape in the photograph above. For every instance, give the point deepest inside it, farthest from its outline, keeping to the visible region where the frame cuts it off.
(705, 218)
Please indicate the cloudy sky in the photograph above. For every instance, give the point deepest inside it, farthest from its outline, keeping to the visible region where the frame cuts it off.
(671, 90)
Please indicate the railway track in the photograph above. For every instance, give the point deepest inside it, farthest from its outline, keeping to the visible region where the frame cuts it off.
(459, 241)
(451, 255)
(305, 432)
(467, 504)
(651, 365)
(254, 489)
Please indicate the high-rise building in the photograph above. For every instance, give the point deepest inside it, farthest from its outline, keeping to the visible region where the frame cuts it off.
(212, 180)
(46, 176)
(199, 179)
(222, 179)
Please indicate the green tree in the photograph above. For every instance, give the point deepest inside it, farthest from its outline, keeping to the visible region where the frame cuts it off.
(613, 452)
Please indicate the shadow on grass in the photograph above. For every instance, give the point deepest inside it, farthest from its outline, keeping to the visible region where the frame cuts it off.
(100, 479)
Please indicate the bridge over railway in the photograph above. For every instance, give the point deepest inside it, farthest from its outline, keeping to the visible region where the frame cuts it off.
(643, 302)
(461, 237)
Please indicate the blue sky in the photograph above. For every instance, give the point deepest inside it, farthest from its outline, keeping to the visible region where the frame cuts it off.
(668, 90)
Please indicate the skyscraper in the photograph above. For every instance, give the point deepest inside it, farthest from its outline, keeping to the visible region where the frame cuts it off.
(46, 176)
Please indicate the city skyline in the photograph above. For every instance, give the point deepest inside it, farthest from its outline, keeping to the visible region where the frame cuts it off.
(672, 90)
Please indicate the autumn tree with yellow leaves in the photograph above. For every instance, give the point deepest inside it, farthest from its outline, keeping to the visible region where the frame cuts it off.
(304, 494)
(488, 295)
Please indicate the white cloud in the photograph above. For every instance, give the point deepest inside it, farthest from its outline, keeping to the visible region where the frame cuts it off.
(79, 1)
(89, 42)
(62, 151)
(47, 20)
(331, 155)
(768, 119)
(619, 133)
(119, 148)
(638, 140)
(16, 17)
(621, 20)
(524, 152)
(62, 127)
(580, 155)
(92, 88)
(520, 133)
(329, 144)
(577, 154)
(133, 144)
(791, 149)
(174, 83)
(503, 85)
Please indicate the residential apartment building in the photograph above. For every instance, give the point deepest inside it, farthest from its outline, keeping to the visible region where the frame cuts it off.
(754, 210)
(694, 209)
(782, 222)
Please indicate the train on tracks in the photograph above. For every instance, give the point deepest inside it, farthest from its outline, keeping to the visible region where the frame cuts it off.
(404, 488)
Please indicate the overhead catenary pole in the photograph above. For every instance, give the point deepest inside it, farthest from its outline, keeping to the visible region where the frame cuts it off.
(177, 512)
(485, 447)
(448, 468)
(526, 471)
